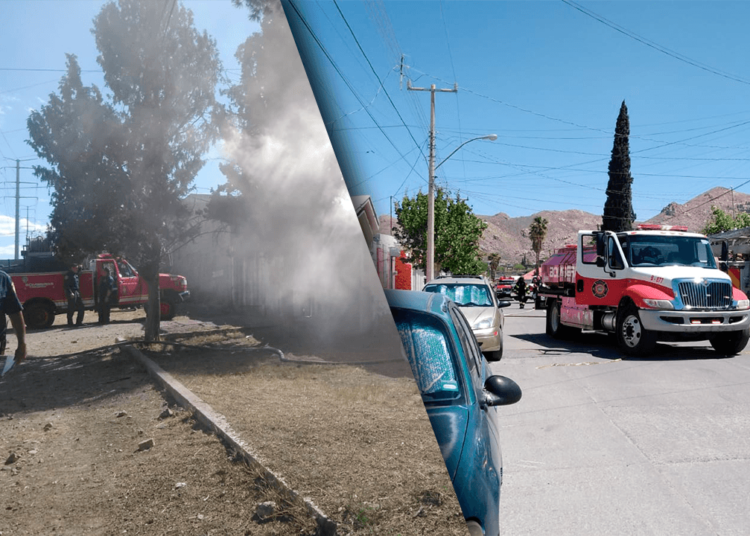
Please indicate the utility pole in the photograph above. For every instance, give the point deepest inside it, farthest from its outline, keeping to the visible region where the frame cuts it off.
(18, 201)
(430, 261)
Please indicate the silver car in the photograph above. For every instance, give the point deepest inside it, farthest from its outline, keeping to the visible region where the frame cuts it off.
(476, 299)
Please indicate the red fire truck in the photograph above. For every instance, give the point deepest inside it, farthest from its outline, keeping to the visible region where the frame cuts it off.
(654, 283)
(39, 280)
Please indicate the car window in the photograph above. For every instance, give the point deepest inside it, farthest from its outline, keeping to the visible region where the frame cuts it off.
(124, 268)
(429, 353)
(464, 295)
(468, 344)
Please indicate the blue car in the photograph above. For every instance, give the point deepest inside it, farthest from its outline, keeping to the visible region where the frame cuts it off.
(459, 394)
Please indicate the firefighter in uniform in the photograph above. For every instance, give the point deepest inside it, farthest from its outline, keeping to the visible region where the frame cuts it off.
(107, 294)
(520, 289)
(73, 293)
(9, 305)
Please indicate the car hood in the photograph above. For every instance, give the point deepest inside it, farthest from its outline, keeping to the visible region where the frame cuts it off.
(475, 314)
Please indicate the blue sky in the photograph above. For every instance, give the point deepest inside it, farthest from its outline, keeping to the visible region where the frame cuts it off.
(548, 79)
(35, 35)
(543, 76)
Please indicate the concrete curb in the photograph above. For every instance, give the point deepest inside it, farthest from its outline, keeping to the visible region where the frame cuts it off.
(218, 424)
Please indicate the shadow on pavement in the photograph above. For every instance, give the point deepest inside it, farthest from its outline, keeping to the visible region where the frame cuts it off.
(605, 347)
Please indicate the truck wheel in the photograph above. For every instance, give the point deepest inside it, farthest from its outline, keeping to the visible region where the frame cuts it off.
(38, 316)
(555, 327)
(632, 337)
(167, 309)
(731, 343)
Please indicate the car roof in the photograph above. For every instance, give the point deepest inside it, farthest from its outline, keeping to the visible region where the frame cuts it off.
(427, 302)
(458, 281)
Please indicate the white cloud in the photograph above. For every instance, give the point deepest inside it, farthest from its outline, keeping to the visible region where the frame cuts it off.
(8, 226)
(7, 252)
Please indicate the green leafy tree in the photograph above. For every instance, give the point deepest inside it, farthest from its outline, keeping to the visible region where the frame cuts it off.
(618, 208)
(159, 117)
(457, 233)
(721, 221)
(537, 233)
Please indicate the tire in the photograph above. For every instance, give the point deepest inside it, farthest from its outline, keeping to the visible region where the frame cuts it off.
(497, 355)
(38, 316)
(632, 338)
(168, 309)
(731, 343)
(555, 329)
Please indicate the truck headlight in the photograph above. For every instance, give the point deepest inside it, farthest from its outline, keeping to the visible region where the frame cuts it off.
(742, 304)
(659, 304)
(482, 324)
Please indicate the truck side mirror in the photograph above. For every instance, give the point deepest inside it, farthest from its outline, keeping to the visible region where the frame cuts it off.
(601, 245)
(600, 262)
(724, 252)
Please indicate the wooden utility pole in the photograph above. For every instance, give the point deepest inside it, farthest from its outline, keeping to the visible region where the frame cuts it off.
(430, 261)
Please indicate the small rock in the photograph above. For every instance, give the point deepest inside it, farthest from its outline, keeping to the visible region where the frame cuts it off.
(121, 414)
(13, 458)
(47, 427)
(166, 413)
(200, 516)
(32, 451)
(180, 485)
(264, 511)
(119, 339)
(161, 426)
(147, 444)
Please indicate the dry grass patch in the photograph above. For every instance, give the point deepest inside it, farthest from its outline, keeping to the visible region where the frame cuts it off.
(358, 444)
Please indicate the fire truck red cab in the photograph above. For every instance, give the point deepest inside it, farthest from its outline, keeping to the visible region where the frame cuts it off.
(39, 282)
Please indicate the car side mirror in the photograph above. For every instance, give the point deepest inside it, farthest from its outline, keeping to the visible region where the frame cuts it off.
(503, 391)
(503, 303)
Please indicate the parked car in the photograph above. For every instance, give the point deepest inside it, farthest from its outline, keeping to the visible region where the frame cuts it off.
(460, 396)
(504, 287)
(473, 294)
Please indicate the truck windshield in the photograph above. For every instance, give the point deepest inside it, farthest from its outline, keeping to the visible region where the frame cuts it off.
(648, 250)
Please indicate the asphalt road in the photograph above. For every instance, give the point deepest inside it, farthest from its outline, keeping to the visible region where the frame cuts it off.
(601, 444)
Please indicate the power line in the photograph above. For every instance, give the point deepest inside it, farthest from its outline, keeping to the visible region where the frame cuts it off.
(343, 78)
(46, 70)
(376, 75)
(655, 46)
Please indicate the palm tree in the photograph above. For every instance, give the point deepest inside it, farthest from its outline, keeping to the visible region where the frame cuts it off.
(494, 260)
(537, 233)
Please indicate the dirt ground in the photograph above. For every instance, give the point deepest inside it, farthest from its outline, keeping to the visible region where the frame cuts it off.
(357, 443)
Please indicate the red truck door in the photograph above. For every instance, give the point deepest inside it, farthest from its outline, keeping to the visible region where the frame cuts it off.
(130, 285)
(599, 285)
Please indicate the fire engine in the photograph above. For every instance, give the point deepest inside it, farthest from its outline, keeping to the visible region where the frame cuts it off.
(657, 283)
(39, 282)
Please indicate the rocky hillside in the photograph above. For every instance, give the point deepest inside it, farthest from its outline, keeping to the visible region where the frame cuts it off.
(509, 236)
(696, 212)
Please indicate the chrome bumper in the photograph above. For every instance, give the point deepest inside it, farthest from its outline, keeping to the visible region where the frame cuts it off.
(694, 321)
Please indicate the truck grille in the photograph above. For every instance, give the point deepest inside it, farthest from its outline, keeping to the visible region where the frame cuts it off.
(715, 295)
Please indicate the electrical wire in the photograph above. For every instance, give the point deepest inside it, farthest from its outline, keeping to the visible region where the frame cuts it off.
(652, 44)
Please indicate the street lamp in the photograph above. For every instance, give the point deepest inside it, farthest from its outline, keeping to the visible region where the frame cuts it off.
(430, 264)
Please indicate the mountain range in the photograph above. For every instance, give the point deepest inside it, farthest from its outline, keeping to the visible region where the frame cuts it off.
(509, 236)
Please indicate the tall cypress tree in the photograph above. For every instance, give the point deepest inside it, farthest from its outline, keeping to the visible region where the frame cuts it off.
(618, 209)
